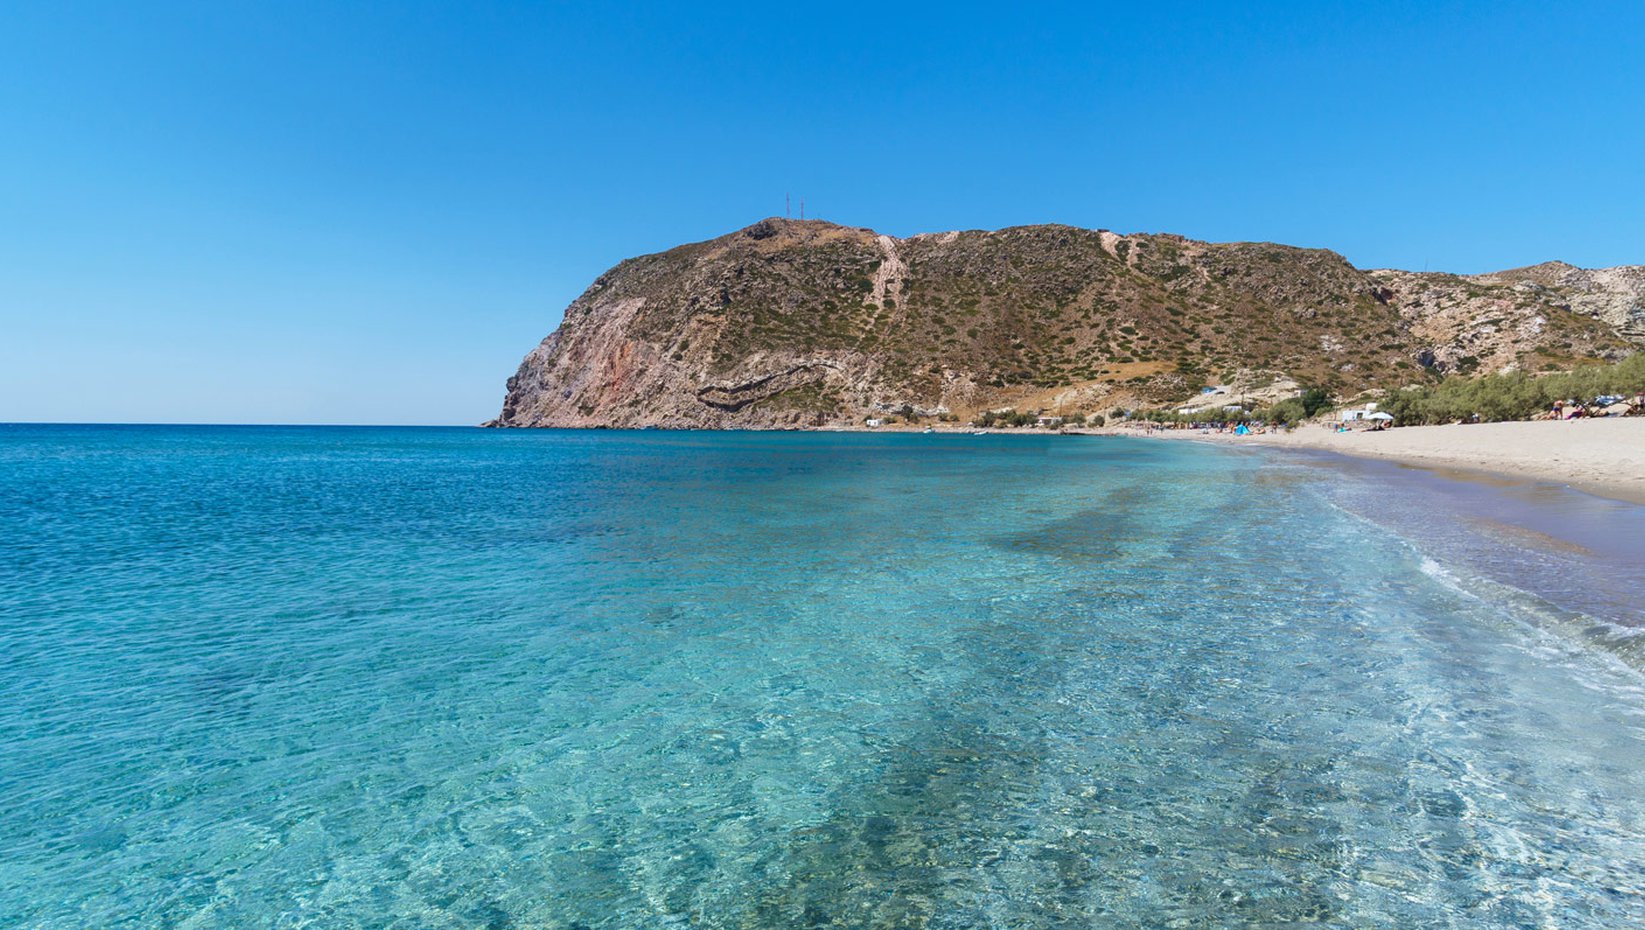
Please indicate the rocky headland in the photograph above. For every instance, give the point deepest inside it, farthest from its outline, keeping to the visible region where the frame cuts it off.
(808, 324)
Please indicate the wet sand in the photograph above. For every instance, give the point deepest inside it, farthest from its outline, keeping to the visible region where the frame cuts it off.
(1604, 457)
(1574, 550)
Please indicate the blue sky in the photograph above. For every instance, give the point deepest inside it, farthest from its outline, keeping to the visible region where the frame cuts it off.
(366, 213)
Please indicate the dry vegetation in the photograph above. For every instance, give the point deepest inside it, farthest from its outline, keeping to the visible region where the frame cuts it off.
(1039, 316)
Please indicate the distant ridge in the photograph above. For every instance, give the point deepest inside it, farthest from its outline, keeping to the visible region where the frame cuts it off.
(806, 323)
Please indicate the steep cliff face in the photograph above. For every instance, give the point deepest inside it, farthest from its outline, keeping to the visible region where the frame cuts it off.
(805, 323)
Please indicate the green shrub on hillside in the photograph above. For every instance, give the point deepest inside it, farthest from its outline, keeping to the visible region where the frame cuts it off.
(1015, 418)
(1514, 396)
(1314, 400)
(1287, 412)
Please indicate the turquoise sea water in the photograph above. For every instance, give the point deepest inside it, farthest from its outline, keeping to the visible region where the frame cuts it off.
(270, 677)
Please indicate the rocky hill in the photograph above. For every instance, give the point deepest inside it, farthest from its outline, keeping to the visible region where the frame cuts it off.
(806, 323)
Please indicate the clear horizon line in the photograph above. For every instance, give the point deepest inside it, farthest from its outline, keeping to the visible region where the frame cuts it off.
(214, 423)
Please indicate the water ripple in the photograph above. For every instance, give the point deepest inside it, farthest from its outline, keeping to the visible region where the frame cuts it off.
(447, 678)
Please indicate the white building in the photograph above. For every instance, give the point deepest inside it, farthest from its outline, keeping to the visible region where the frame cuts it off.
(1359, 413)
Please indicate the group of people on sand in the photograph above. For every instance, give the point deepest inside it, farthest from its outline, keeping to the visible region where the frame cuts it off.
(1240, 428)
(1606, 406)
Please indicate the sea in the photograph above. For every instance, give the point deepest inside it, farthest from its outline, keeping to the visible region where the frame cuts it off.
(324, 677)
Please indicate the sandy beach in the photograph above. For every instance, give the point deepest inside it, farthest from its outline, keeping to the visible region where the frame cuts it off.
(1604, 456)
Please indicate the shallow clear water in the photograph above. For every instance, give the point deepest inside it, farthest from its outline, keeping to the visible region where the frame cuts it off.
(460, 678)
(1581, 555)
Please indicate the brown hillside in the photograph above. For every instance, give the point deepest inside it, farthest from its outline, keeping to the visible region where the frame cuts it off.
(794, 323)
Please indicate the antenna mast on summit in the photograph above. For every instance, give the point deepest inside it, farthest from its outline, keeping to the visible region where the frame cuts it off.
(786, 207)
(802, 208)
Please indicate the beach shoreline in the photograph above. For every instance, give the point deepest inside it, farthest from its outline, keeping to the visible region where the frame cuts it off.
(1603, 457)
